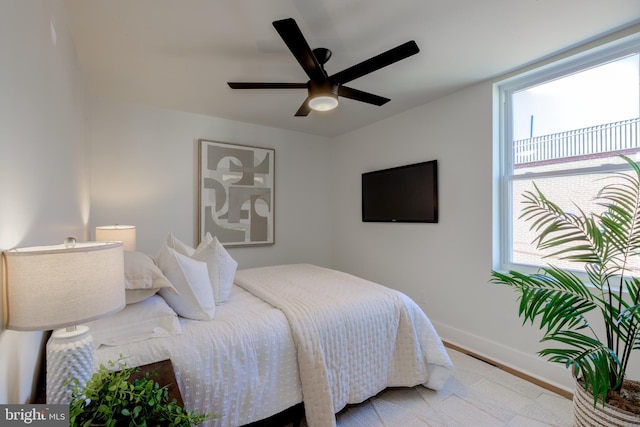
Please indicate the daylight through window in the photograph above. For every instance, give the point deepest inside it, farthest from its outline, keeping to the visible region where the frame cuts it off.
(564, 128)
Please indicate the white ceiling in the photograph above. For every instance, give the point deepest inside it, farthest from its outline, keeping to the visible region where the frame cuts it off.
(179, 54)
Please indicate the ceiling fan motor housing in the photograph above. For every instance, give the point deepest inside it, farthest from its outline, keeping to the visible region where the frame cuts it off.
(326, 87)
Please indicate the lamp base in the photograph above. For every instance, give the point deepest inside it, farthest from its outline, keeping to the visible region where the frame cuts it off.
(69, 355)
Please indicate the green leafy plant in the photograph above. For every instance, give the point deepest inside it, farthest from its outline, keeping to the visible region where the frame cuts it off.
(110, 398)
(604, 244)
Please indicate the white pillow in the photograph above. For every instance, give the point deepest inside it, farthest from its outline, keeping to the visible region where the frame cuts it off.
(191, 279)
(133, 296)
(151, 318)
(222, 267)
(174, 243)
(142, 276)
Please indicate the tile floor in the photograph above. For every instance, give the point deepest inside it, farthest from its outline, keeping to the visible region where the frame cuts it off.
(478, 395)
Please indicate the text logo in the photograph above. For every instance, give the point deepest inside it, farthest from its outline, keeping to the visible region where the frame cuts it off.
(37, 415)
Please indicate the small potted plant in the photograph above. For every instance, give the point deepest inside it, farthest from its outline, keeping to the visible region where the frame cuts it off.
(110, 398)
(564, 303)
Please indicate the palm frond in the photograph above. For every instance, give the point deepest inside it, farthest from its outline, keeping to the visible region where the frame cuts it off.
(592, 360)
(578, 236)
(621, 218)
(557, 298)
(628, 320)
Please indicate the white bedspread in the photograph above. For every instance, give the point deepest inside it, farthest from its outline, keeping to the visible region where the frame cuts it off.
(241, 365)
(353, 337)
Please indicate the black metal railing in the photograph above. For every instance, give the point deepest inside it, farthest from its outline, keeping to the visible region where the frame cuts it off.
(619, 136)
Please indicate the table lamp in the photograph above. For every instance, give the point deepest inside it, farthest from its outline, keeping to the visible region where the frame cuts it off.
(118, 233)
(61, 286)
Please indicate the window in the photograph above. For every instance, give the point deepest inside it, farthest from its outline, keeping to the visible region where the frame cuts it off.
(563, 127)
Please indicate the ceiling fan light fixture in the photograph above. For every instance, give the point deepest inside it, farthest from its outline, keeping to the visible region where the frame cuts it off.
(324, 102)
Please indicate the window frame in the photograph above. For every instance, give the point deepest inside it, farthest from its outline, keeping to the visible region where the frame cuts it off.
(503, 91)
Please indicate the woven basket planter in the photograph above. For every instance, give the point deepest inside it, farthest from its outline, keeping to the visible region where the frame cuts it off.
(585, 415)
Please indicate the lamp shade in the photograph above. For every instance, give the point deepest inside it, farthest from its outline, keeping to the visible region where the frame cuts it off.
(49, 287)
(118, 233)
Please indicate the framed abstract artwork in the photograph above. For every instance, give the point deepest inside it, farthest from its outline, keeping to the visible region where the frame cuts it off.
(236, 193)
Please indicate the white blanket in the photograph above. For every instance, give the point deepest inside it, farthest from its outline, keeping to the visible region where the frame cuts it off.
(353, 337)
(241, 365)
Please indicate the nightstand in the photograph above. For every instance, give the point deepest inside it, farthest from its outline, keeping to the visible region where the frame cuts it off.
(165, 377)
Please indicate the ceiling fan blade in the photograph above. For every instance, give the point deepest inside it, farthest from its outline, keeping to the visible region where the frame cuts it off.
(359, 95)
(304, 109)
(247, 85)
(295, 41)
(375, 63)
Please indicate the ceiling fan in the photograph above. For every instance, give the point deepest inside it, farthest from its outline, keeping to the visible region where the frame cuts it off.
(323, 90)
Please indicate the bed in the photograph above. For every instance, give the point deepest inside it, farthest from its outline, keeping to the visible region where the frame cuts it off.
(286, 334)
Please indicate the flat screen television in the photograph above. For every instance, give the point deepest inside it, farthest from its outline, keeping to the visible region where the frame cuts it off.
(402, 194)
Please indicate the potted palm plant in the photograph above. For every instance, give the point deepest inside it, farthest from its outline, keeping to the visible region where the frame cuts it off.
(564, 301)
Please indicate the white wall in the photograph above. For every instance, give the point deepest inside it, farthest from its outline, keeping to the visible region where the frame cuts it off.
(145, 171)
(43, 162)
(446, 266)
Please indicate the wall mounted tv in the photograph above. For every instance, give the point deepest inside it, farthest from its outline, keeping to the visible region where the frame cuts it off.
(402, 194)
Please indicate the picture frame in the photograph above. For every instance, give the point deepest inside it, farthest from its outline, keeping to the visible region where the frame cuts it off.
(236, 193)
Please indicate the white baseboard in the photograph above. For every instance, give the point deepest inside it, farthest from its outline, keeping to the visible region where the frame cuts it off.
(528, 365)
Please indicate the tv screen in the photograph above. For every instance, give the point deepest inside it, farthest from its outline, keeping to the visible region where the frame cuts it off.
(402, 194)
